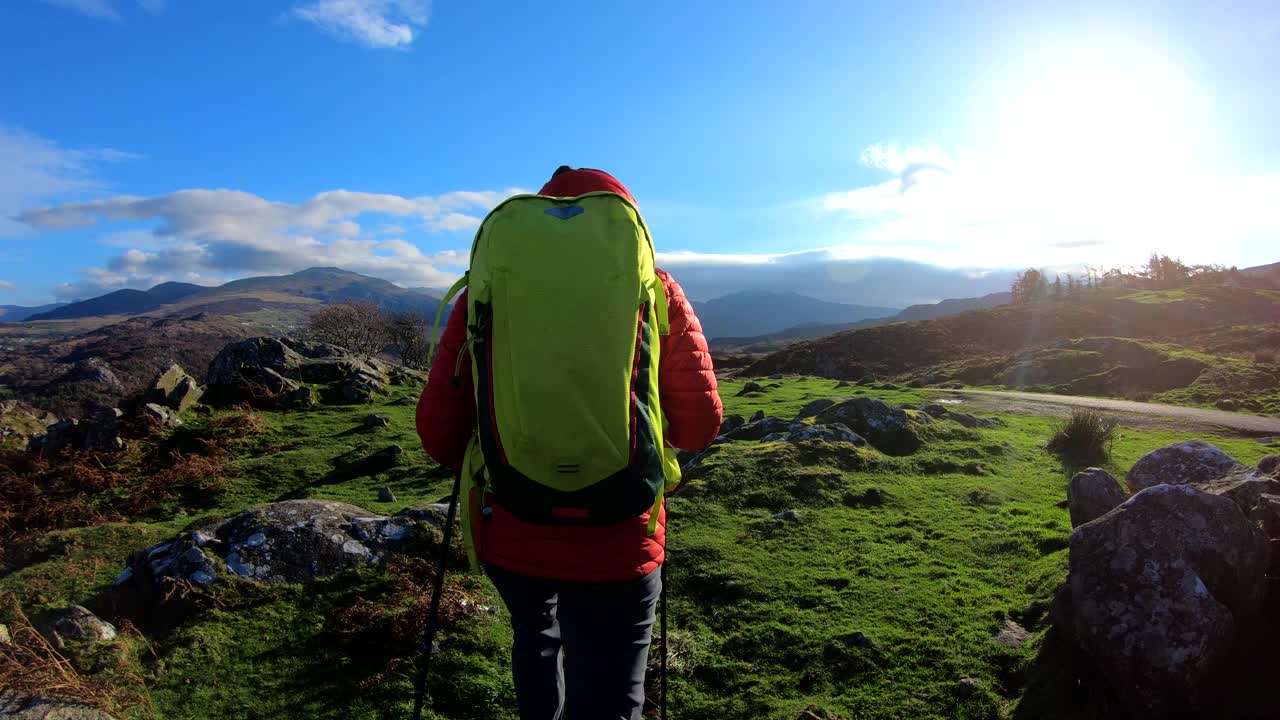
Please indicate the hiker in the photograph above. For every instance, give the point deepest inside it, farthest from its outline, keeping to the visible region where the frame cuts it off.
(577, 569)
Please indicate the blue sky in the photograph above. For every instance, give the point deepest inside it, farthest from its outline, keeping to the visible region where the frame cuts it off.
(152, 140)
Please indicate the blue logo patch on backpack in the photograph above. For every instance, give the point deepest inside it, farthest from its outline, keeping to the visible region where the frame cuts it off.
(566, 212)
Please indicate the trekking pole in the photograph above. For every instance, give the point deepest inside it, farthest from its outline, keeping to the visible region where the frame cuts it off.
(433, 616)
(663, 661)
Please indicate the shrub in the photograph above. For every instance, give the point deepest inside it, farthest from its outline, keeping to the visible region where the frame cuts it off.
(357, 327)
(1084, 438)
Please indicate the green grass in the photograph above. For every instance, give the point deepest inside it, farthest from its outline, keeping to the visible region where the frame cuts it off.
(764, 611)
(1157, 297)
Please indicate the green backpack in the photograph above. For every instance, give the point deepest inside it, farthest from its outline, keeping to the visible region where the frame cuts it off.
(564, 317)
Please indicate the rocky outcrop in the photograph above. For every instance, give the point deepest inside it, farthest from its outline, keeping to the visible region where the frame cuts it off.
(1185, 463)
(1160, 589)
(294, 541)
(1092, 493)
(731, 423)
(94, 371)
(886, 427)
(245, 360)
(813, 407)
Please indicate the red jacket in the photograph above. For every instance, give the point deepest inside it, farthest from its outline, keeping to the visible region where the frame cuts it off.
(687, 387)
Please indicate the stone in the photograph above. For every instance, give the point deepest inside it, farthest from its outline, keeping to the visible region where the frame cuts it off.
(14, 706)
(160, 416)
(1243, 486)
(314, 350)
(887, 386)
(886, 427)
(303, 398)
(1161, 590)
(5, 637)
(373, 422)
(1269, 465)
(776, 376)
(1092, 493)
(79, 624)
(842, 384)
(758, 429)
(937, 410)
(758, 415)
(385, 495)
(1012, 635)
(293, 541)
(1266, 515)
(813, 407)
(359, 389)
(243, 360)
(832, 432)
(788, 516)
(274, 383)
(731, 423)
(400, 375)
(380, 461)
(187, 393)
(1184, 463)
(102, 430)
(967, 687)
(751, 387)
(973, 421)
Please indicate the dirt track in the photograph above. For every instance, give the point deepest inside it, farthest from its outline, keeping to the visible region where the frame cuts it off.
(1129, 413)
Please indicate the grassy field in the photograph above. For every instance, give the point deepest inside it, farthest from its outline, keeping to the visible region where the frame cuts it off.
(874, 603)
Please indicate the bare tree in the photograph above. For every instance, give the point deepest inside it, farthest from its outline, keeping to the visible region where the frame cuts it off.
(357, 327)
(408, 331)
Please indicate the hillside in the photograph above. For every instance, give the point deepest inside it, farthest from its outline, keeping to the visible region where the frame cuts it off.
(757, 312)
(808, 579)
(772, 341)
(1202, 345)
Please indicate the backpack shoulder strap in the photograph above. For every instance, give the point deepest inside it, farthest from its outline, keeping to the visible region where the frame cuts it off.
(444, 302)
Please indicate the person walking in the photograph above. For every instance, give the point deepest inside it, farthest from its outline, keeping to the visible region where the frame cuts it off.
(569, 372)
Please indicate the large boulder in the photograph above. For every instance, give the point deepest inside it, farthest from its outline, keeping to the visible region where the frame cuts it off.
(292, 541)
(1270, 465)
(64, 433)
(731, 423)
(315, 350)
(1243, 486)
(14, 706)
(833, 432)
(1160, 590)
(174, 388)
(1091, 494)
(886, 427)
(1186, 463)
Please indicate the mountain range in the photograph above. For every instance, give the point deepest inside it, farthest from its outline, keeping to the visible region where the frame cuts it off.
(18, 313)
(771, 341)
(269, 300)
(762, 311)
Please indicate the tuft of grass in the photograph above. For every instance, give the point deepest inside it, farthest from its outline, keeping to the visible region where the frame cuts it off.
(1084, 438)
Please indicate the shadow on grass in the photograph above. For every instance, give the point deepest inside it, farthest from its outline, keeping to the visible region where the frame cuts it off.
(1061, 684)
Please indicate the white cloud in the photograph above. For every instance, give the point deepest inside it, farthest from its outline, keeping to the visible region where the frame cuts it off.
(374, 23)
(36, 170)
(6, 285)
(213, 235)
(1036, 210)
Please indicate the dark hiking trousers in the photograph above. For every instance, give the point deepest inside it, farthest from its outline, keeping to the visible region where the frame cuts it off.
(580, 646)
